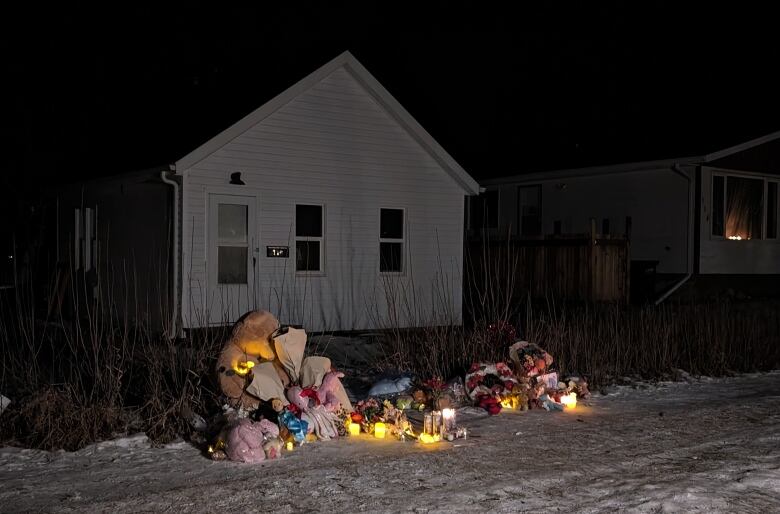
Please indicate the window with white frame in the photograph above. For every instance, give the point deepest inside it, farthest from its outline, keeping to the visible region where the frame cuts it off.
(309, 230)
(391, 240)
(742, 207)
(232, 243)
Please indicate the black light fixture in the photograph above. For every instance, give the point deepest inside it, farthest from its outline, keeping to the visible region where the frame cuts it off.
(235, 178)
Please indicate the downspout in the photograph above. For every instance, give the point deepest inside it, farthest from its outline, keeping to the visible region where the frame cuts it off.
(175, 307)
(689, 236)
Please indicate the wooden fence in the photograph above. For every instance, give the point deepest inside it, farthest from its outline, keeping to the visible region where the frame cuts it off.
(585, 267)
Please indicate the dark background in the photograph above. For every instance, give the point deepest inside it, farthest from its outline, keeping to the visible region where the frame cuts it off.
(94, 91)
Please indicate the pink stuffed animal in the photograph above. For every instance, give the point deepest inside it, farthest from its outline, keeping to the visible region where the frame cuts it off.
(325, 391)
(245, 442)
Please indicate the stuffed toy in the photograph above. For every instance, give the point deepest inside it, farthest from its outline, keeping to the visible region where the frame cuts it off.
(331, 392)
(320, 421)
(245, 441)
(249, 343)
(273, 448)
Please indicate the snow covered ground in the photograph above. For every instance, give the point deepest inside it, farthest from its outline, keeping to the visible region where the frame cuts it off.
(709, 446)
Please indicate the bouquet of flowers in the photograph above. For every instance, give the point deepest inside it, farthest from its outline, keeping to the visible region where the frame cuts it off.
(484, 379)
(529, 359)
(368, 412)
(435, 388)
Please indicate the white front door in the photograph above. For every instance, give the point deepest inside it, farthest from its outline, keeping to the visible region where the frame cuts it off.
(231, 259)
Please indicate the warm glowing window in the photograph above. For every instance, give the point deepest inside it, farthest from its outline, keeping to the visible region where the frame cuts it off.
(737, 207)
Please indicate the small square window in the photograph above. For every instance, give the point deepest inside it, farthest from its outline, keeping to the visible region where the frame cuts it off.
(307, 256)
(390, 257)
(308, 221)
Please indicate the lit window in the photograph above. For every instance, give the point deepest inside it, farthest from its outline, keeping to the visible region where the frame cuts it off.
(308, 237)
(391, 240)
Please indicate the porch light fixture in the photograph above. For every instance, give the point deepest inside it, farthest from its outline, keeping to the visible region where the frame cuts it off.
(235, 179)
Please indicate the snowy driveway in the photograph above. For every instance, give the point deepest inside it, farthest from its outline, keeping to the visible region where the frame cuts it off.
(709, 446)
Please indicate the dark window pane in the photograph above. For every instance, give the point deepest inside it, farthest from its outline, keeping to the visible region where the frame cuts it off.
(744, 208)
(308, 220)
(771, 210)
(232, 265)
(391, 223)
(529, 201)
(307, 256)
(390, 256)
(605, 226)
(717, 206)
(484, 210)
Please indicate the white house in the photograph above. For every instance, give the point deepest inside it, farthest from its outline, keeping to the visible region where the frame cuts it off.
(329, 205)
(705, 216)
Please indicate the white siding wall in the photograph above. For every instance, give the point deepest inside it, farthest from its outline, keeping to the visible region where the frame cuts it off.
(723, 256)
(656, 200)
(333, 145)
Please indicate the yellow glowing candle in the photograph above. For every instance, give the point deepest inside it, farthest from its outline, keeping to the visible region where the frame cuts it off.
(289, 446)
(243, 367)
(426, 438)
(379, 430)
(569, 401)
(354, 429)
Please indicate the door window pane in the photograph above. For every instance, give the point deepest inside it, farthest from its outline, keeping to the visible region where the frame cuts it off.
(232, 221)
(232, 265)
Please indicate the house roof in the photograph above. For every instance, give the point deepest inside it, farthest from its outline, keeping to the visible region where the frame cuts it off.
(635, 166)
(347, 61)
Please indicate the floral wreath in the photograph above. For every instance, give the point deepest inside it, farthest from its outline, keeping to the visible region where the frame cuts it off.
(489, 379)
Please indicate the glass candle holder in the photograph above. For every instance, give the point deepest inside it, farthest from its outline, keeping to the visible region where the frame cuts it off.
(436, 415)
(428, 423)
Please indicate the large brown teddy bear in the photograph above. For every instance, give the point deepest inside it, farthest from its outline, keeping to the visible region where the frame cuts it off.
(250, 341)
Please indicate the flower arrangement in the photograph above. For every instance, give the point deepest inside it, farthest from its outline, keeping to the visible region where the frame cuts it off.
(529, 359)
(434, 387)
(487, 383)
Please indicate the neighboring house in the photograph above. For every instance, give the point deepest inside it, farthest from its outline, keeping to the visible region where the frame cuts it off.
(329, 205)
(697, 216)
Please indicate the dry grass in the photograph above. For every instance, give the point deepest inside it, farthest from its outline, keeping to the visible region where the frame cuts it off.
(80, 380)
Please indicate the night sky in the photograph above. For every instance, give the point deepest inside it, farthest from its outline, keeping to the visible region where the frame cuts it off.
(96, 92)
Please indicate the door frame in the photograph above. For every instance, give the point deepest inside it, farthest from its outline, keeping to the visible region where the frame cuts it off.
(247, 299)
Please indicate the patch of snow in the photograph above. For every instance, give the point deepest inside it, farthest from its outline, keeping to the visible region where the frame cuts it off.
(706, 446)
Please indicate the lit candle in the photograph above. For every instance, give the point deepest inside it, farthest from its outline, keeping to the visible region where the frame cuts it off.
(569, 401)
(448, 418)
(426, 438)
(289, 446)
(354, 429)
(379, 430)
